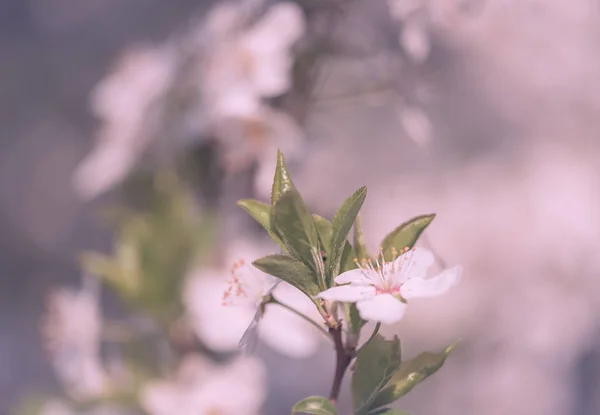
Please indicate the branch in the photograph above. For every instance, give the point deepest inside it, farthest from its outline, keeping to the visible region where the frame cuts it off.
(343, 359)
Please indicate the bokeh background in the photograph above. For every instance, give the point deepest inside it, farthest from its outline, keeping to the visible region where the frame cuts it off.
(482, 111)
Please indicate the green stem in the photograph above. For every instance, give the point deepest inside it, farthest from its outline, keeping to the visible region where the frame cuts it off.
(375, 331)
(299, 314)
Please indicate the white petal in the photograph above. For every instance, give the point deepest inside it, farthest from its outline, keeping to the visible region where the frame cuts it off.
(348, 293)
(222, 20)
(108, 164)
(415, 40)
(414, 263)
(295, 298)
(354, 276)
(416, 125)
(384, 308)
(271, 73)
(268, 42)
(431, 287)
(219, 327)
(287, 333)
(246, 376)
(280, 27)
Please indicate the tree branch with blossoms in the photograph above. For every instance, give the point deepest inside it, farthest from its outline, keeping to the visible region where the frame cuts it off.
(349, 289)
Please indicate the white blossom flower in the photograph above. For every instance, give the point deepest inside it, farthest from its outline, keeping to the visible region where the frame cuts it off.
(59, 407)
(416, 124)
(380, 289)
(55, 407)
(244, 64)
(414, 17)
(223, 307)
(401, 9)
(127, 103)
(255, 138)
(414, 38)
(72, 331)
(201, 388)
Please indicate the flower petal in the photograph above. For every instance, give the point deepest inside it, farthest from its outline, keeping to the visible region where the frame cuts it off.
(431, 287)
(268, 44)
(288, 334)
(384, 308)
(219, 327)
(414, 263)
(355, 276)
(348, 293)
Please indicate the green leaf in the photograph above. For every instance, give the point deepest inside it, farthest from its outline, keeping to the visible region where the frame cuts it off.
(404, 236)
(356, 322)
(155, 247)
(289, 270)
(360, 248)
(410, 374)
(261, 213)
(316, 405)
(325, 230)
(296, 228)
(347, 263)
(282, 182)
(342, 223)
(375, 366)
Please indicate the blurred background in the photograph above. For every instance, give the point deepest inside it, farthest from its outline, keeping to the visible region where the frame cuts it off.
(131, 128)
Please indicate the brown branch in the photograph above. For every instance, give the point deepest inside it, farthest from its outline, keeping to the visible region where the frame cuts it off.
(343, 359)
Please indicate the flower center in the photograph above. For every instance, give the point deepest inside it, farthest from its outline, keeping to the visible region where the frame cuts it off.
(385, 276)
(235, 288)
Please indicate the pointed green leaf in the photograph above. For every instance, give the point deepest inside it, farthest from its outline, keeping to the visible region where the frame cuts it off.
(289, 270)
(282, 182)
(356, 322)
(375, 366)
(295, 226)
(410, 374)
(360, 248)
(325, 230)
(261, 213)
(404, 236)
(316, 405)
(342, 223)
(347, 263)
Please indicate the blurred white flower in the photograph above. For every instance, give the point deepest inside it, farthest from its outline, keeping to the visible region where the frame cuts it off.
(416, 124)
(243, 65)
(255, 138)
(380, 289)
(414, 38)
(201, 388)
(72, 329)
(58, 407)
(55, 407)
(221, 307)
(402, 9)
(127, 102)
(414, 17)
(222, 324)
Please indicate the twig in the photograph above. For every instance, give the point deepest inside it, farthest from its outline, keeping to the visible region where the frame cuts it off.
(343, 359)
(299, 314)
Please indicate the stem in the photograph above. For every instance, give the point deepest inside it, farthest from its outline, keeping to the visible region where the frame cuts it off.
(343, 359)
(299, 314)
(375, 331)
